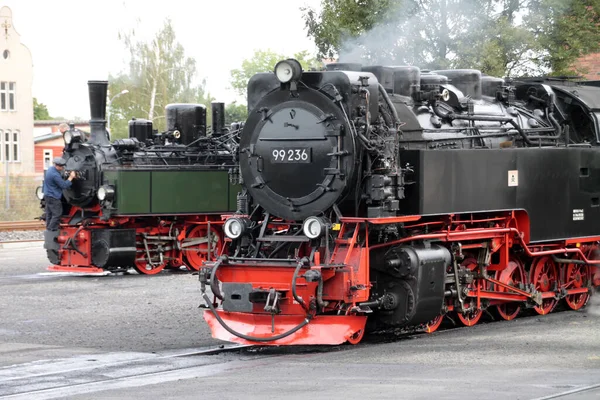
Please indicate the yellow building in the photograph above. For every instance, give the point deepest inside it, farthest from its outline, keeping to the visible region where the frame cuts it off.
(16, 101)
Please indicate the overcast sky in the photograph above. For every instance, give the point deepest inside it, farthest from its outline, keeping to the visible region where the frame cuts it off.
(73, 41)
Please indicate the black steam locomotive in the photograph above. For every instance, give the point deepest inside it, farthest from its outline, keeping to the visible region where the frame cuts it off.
(401, 196)
(146, 201)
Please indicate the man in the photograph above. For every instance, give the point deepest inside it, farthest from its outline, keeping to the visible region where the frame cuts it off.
(53, 187)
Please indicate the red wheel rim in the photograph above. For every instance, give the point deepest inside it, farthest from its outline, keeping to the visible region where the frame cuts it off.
(469, 318)
(144, 267)
(472, 317)
(195, 256)
(577, 276)
(356, 337)
(434, 324)
(512, 275)
(545, 279)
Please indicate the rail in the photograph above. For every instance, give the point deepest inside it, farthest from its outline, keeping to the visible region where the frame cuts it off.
(7, 226)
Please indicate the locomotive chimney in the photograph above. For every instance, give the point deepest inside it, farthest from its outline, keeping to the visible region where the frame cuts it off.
(218, 117)
(98, 90)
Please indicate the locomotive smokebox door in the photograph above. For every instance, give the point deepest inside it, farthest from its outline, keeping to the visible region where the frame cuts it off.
(113, 247)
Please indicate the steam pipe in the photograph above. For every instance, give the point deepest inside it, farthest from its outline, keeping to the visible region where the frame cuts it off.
(388, 101)
(294, 278)
(451, 115)
(254, 338)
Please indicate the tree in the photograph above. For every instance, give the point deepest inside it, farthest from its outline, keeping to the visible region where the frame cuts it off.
(264, 61)
(235, 113)
(159, 73)
(40, 111)
(499, 37)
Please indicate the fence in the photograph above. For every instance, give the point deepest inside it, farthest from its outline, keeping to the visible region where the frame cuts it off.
(17, 199)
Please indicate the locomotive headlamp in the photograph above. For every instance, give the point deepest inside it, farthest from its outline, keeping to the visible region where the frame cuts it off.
(288, 70)
(68, 136)
(72, 137)
(235, 227)
(106, 193)
(314, 227)
(39, 192)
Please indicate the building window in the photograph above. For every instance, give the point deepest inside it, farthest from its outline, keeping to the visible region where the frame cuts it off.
(16, 150)
(47, 158)
(12, 100)
(7, 145)
(8, 96)
(1, 136)
(3, 93)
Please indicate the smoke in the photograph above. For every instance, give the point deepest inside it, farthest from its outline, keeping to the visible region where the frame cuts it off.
(427, 34)
(496, 37)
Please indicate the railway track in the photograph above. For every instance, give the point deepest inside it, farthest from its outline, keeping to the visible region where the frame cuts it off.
(92, 373)
(8, 226)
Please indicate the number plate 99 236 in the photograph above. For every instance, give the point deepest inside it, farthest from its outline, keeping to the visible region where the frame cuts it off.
(291, 155)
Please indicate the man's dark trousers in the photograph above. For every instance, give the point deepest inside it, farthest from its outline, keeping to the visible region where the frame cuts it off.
(53, 212)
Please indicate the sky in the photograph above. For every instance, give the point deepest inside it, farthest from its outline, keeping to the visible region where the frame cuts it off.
(73, 41)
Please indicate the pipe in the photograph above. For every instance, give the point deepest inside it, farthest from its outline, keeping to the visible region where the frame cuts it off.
(390, 104)
(449, 236)
(294, 277)
(213, 284)
(254, 338)
(451, 115)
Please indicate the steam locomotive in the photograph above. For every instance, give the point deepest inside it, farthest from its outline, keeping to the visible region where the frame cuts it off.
(390, 196)
(150, 201)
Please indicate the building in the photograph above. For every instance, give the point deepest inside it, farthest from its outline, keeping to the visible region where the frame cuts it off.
(591, 65)
(16, 101)
(49, 143)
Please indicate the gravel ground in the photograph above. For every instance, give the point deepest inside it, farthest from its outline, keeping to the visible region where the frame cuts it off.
(21, 235)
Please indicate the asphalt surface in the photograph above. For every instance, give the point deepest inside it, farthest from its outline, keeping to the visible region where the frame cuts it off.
(134, 337)
(117, 313)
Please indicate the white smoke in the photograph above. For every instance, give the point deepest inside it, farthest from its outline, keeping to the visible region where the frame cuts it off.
(418, 36)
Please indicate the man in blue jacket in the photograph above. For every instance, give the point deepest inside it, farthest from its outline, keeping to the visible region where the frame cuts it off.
(53, 187)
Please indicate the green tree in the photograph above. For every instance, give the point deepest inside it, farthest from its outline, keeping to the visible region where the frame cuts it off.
(159, 73)
(235, 113)
(500, 37)
(40, 111)
(264, 61)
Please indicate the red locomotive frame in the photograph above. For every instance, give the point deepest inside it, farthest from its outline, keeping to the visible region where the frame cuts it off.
(516, 274)
(190, 247)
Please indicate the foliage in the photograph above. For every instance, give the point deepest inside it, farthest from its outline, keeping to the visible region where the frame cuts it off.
(499, 37)
(159, 73)
(235, 113)
(264, 61)
(40, 111)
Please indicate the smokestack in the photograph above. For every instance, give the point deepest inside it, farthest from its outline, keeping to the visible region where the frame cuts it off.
(218, 117)
(98, 90)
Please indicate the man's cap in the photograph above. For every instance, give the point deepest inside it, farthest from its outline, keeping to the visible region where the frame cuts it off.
(59, 161)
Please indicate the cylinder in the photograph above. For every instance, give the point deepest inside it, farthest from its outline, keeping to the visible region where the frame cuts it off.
(343, 67)
(431, 82)
(140, 129)
(407, 80)
(97, 91)
(218, 117)
(467, 81)
(490, 85)
(385, 76)
(187, 119)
